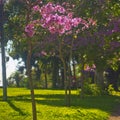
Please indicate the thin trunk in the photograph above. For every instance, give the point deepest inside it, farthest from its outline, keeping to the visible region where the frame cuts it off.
(82, 81)
(29, 6)
(31, 80)
(46, 86)
(3, 51)
(74, 71)
(65, 73)
(55, 71)
(70, 73)
(62, 78)
(65, 83)
(69, 85)
(74, 75)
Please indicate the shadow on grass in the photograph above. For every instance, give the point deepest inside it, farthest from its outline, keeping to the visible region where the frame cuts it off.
(15, 108)
(104, 103)
(52, 100)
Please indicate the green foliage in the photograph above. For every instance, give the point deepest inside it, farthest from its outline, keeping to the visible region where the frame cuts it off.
(111, 90)
(114, 8)
(24, 82)
(16, 79)
(92, 89)
(50, 105)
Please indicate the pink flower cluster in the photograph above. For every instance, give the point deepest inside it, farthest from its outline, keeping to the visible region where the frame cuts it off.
(56, 19)
(90, 68)
(59, 24)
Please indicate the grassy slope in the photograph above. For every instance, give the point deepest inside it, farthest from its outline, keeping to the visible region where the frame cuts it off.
(50, 106)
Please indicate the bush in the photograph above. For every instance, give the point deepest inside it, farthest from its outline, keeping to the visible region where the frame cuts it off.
(92, 89)
(110, 89)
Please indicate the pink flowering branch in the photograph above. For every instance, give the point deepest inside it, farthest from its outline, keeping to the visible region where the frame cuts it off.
(56, 19)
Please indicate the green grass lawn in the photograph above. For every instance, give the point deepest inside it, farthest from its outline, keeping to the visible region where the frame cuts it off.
(50, 106)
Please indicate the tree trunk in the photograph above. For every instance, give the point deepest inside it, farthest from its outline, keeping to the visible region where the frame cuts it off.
(31, 80)
(46, 85)
(82, 81)
(74, 75)
(70, 73)
(65, 73)
(65, 83)
(3, 51)
(69, 85)
(99, 79)
(62, 78)
(55, 72)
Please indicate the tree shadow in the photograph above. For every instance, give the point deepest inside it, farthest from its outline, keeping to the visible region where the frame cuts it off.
(15, 108)
(51, 100)
(104, 103)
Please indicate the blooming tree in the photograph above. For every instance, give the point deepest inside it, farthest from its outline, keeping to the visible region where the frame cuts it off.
(58, 19)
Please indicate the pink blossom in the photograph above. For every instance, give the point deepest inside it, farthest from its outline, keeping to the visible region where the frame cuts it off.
(90, 68)
(46, 9)
(60, 9)
(91, 21)
(68, 25)
(29, 29)
(76, 21)
(43, 53)
(85, 23)
(36, 8)
(73, 5)
(61, 31)
(70, 15)
(77, 31)
(52, 29)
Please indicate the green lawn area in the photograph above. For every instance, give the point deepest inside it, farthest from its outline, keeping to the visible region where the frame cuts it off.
(50, 106)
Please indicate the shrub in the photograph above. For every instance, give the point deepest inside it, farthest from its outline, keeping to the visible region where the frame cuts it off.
(92, 89)
(111, 91)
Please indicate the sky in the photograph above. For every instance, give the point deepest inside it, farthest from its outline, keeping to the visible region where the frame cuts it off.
(10, 68)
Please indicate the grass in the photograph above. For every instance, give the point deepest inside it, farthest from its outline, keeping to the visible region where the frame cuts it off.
(50, 106)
